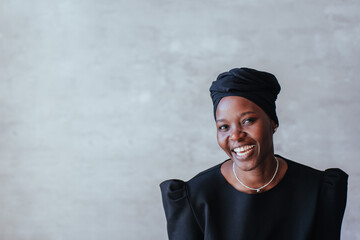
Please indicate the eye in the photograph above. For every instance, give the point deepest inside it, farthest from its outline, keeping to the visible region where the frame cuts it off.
(223, 127)
(248, 121)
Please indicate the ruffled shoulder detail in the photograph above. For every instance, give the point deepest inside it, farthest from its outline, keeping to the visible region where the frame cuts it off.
(173, 189)
(181, 221)
(335, 178)
(331, 204)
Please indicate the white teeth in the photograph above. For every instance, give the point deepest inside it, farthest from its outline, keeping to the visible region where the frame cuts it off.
(243, 148)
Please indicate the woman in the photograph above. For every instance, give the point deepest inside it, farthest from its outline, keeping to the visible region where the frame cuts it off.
(254, 194)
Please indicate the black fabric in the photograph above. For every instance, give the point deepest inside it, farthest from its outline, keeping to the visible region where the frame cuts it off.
(259, 87)
(306, 204)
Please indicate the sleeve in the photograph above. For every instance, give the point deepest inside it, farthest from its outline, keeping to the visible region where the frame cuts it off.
(331, 205)
(181, 222)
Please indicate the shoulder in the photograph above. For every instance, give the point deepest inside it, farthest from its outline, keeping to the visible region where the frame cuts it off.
(181, 201)
(331, 204)
(310, 176)
(334, 176)
(182, 222)
(334, 185)
(201, 184)
(303, 173)
(304, 170)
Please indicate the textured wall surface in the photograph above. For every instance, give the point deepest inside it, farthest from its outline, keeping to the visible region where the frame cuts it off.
(100, 101)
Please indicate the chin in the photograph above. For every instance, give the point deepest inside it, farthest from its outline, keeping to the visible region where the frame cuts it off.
(249, 163)
(246, 164)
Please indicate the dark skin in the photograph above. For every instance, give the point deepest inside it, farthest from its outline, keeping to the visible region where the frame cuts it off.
(245, 133)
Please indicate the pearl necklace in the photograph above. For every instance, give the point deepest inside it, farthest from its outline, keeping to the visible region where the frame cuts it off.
(257, 189)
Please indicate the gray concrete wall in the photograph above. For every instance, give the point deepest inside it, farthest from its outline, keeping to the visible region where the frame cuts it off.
(102, 100)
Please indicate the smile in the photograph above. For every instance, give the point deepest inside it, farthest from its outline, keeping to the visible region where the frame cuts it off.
(243, 150)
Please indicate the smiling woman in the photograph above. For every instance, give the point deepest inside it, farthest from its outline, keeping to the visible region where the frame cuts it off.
(245, 134)
(255, 194)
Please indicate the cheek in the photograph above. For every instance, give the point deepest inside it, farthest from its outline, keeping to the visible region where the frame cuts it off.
(262, 134)
(265, 136)
(221, 141)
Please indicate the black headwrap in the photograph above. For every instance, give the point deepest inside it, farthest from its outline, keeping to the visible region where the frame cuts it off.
(259, 87)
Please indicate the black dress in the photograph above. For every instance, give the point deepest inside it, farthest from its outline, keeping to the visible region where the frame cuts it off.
(306, 204)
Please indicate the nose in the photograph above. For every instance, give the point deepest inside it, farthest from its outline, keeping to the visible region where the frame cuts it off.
(237, 134)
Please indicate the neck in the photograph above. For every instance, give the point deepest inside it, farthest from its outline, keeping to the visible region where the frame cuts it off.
(260, 175)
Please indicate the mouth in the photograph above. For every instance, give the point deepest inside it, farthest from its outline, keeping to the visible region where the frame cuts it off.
(244, 150)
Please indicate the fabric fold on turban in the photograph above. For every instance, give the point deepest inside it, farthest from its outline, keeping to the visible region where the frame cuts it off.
(259, 87)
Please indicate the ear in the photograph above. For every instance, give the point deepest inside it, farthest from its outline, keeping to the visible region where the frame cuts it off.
(275, 126)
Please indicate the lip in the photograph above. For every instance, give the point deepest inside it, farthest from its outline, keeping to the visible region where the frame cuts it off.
(241, 155)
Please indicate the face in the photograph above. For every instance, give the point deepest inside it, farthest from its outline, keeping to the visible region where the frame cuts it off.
(244, 132)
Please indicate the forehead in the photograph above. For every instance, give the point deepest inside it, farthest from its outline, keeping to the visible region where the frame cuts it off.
(236, 105)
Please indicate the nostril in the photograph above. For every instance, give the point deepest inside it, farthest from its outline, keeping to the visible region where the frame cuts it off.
(236, 135)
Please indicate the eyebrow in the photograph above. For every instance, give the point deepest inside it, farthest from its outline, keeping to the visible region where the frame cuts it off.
(241, 115)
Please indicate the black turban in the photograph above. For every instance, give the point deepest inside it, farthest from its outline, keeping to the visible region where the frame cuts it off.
(259, 87)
